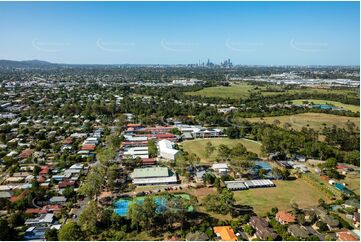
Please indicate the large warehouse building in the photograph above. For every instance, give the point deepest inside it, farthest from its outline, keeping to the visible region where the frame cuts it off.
(154, 175)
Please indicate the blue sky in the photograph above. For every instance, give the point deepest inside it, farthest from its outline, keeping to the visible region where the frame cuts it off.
(257, 33)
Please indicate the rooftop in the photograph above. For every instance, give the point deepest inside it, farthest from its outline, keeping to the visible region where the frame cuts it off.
(155, 171)
(225, 232)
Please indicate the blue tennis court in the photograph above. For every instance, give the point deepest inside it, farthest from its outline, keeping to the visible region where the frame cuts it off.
(121, 206)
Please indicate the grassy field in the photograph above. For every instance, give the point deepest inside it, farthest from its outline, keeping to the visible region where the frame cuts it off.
(349, 107)
(281, 196)
(197, 146)
(243, 90)
(314, 120)
(233, 91)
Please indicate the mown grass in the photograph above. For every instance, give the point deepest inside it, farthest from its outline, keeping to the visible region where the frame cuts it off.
(312, 120)
(197, 146)
(282, 196)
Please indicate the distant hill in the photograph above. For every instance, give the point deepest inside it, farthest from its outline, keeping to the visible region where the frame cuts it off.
(27, 64)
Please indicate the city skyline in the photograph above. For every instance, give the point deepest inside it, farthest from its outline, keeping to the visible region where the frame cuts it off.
(257, 33)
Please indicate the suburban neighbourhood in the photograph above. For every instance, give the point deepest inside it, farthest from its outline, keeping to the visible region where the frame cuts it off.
(180, 121)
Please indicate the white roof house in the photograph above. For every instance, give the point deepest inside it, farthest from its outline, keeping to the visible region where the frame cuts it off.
(166, 150)
(134, 152)
(42, 219)
(221, 168)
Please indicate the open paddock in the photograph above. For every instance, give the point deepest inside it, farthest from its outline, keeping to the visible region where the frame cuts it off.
(312, 120)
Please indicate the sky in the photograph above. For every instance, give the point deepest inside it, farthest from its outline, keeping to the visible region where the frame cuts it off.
(249, 33)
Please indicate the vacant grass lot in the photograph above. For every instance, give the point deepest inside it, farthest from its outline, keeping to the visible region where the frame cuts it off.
(243, 90)
(349, 107)
(314, 120)
(197, 146)
(281, 196)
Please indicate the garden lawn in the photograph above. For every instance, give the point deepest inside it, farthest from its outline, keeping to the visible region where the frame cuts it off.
(197, 146)
(281, 196)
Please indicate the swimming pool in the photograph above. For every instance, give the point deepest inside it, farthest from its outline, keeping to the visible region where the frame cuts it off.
(263, 165)
(121, 206)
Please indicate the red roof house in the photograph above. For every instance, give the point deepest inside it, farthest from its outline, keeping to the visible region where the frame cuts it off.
(26, 153)
(284, 217)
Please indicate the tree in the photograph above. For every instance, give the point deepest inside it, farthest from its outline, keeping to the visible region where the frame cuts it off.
(114, 141)
(322, 226)
(197, 236)
(135, 214)
(209, 149)
(105, 155)
(70, 231)
(36, 170)
(238, 150)
(301, 219)
(152, 148)
(295, 208)
(175, 131)
(5, 204)
(5, 231)
(88, 218)
(69, 192)
(220, 203)
(149, 212)
(224, 152)
(51, 234)
(261, 173)
(233, 132)
(285, 173)
(321, 202)
(248, 229)
(93, 182)
(112, 174)
(193, 159)
(276, 122)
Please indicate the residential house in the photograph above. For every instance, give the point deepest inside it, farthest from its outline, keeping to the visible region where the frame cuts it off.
(225, 233)
(346, 235)
(43, 219)
(297, 231)
(284, 217)
(57, 200)
(27, 153)
(220, 168)
(5, 195)
(262, 230)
